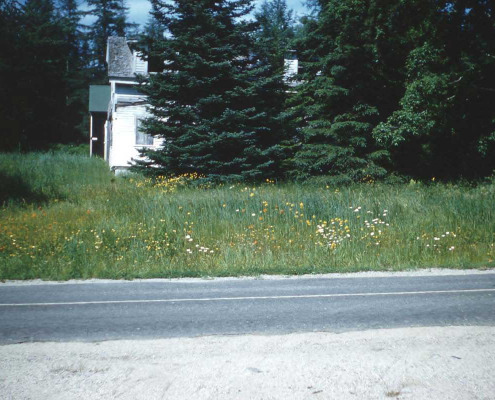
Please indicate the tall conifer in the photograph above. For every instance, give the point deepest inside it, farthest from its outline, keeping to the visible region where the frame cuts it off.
(76, 75)
(273, 45)
(336, 108)
(32, 75)
(204, 105)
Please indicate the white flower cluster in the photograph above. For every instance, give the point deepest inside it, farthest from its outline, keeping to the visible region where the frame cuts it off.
(437, 240)
(202, 249)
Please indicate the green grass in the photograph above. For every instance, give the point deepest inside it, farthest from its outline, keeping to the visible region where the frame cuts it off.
(66, 216)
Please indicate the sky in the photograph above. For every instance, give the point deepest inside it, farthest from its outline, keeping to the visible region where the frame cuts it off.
(139, 9)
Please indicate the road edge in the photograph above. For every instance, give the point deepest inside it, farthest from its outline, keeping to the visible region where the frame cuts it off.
(365, 274)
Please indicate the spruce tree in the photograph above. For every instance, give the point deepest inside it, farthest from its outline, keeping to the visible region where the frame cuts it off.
(11, 106)
(273, 43)
(336, 108)
(32, 76)
(204, 104)
(76, 75)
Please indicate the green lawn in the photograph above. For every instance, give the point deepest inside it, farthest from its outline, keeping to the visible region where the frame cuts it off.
(67, 216)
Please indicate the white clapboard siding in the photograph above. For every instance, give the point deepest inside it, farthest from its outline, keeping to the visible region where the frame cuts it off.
(123, 147)
(291, 68)
(140, 66)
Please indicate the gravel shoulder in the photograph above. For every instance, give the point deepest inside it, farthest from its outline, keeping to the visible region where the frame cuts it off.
(366, 274)
(406, 363)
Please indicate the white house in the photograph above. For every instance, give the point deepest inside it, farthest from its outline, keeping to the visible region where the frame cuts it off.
(122, 137)
(116, 110)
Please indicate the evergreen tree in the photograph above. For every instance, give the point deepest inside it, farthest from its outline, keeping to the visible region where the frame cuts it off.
(275, 31)
(336, 108)
(76, 76)
(153, 29)
(204, 105)
(10, 74)
(273, 40)
(153, 33)
(34, 100)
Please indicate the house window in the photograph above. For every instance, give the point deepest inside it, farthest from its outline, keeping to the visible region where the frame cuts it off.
(142, 138)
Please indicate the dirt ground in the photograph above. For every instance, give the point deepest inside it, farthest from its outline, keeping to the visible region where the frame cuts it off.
(413, 363)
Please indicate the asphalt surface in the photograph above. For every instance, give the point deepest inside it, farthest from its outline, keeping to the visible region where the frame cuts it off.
(145, 310)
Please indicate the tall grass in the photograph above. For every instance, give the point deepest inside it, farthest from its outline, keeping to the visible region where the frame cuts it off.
(86, 223)
(44, 177)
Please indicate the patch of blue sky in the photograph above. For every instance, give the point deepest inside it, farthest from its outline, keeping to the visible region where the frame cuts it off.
(139, 10)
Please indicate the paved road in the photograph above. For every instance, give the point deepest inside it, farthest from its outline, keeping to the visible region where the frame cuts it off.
(131, 310)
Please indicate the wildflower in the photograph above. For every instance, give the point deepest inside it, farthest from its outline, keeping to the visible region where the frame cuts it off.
(253, 215)
(451, 248)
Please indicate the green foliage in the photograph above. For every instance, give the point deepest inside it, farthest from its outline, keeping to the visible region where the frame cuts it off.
(423, 107)
(337, 106)
(273, 41)
(80, 150)
(401, 87)
(39, 178)
(275, 32)
(76, 74)
(205, 104)
(33, 98)
(90, 225)
(444, 125)
(41, 74)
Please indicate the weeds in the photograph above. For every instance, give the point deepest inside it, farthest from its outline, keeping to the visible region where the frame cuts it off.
(90, 224)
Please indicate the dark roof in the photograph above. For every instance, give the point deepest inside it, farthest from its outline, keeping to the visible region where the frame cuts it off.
(119, 58)
(99, 98)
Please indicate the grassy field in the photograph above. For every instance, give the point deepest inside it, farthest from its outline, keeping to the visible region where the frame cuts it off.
(67, 216)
